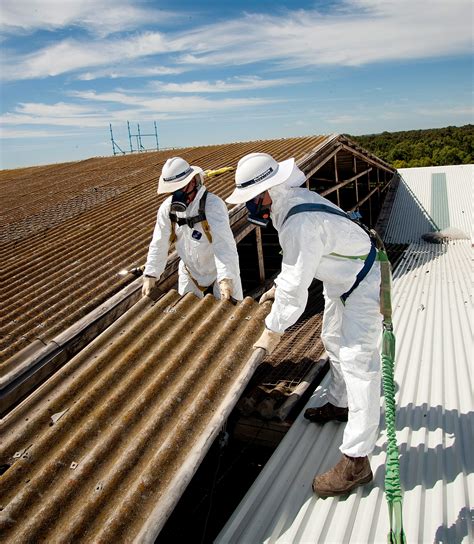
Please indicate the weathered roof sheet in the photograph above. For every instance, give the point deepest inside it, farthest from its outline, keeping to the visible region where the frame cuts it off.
(432, 198)
(68, 229)
(102, 451)
(432, 302)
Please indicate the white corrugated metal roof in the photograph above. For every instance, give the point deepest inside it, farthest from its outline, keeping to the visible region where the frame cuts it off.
(432, 301)
(435, 429)
(429, 199)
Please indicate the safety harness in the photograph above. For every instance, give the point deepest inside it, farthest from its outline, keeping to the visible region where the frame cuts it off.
(191, 222)
(377, 251)
(368, 259)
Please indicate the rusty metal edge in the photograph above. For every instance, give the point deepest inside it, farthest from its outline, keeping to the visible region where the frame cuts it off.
(163, 509)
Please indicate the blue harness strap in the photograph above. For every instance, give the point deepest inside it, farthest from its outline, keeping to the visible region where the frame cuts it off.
(363, 271)
(314, 207)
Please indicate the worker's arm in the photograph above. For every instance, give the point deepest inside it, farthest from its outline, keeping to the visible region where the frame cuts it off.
(223, 244)
(159, 246)
(301, 239)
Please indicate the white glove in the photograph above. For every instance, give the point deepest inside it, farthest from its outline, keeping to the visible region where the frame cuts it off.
(268, 340)
(225, 287)
(148, 283)
(268, 295)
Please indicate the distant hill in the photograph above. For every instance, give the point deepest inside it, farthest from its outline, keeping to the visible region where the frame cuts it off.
(431, 147)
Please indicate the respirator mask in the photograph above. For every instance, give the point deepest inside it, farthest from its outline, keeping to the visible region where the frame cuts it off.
(181, 198)
(258, 213)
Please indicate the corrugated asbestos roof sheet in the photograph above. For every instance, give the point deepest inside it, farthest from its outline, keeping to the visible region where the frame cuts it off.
(432, 301)
(432, 198)
(68, 229)
(102, 451)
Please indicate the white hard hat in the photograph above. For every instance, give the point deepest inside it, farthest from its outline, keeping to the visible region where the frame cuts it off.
(176, 174)
(256, 173)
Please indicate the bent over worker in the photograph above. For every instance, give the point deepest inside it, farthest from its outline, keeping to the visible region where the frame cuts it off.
(328, 246)
(199, 223)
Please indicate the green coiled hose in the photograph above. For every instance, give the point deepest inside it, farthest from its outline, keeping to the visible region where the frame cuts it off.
(393, 489)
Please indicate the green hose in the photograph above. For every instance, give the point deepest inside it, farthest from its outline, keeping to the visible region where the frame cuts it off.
(393, 489)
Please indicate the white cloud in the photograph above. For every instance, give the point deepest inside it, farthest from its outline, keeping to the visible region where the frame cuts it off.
(70, 55)
(59, 114)
(101, 109)
(60, 109)
(173, 104)
(101, 17)
(130, 71)
(358, 32)
(365, 31)
(243, 83)
(9, 133)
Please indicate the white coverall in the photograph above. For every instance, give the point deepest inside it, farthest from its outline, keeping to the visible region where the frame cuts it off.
(200, 260)
(350, 332)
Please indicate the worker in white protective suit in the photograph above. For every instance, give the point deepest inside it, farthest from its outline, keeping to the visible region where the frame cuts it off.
(198, 221)
(333, 249)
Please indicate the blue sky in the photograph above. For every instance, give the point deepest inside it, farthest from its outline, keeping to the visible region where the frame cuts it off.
(215, 72)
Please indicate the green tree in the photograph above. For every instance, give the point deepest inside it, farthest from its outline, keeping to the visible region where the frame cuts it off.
(431, 147)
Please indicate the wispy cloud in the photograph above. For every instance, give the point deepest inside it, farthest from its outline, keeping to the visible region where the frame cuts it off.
(70, 55)
(358, 32)
(101, 108)
(127, 71)
(35, 133)
(173, 104)
(59, 114)
(101, 17)
(238, 83)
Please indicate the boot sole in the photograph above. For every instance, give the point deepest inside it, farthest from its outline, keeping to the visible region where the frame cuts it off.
(365, 480)
(341, 419)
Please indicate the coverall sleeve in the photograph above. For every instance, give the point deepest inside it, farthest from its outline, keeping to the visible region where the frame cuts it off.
(302, 242)
(223, 241)
(159, 245)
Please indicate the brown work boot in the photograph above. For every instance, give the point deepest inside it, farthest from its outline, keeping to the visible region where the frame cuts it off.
(349, 473)
(326, 413)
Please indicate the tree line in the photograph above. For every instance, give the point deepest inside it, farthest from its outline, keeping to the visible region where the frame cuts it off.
(431, 147)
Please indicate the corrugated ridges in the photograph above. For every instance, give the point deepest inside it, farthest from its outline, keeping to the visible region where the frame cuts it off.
(100, 444)
(51, 278)
(415, 200)
(432, 303)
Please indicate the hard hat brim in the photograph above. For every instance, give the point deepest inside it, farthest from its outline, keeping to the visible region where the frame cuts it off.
(172, 186)
(241, 195)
